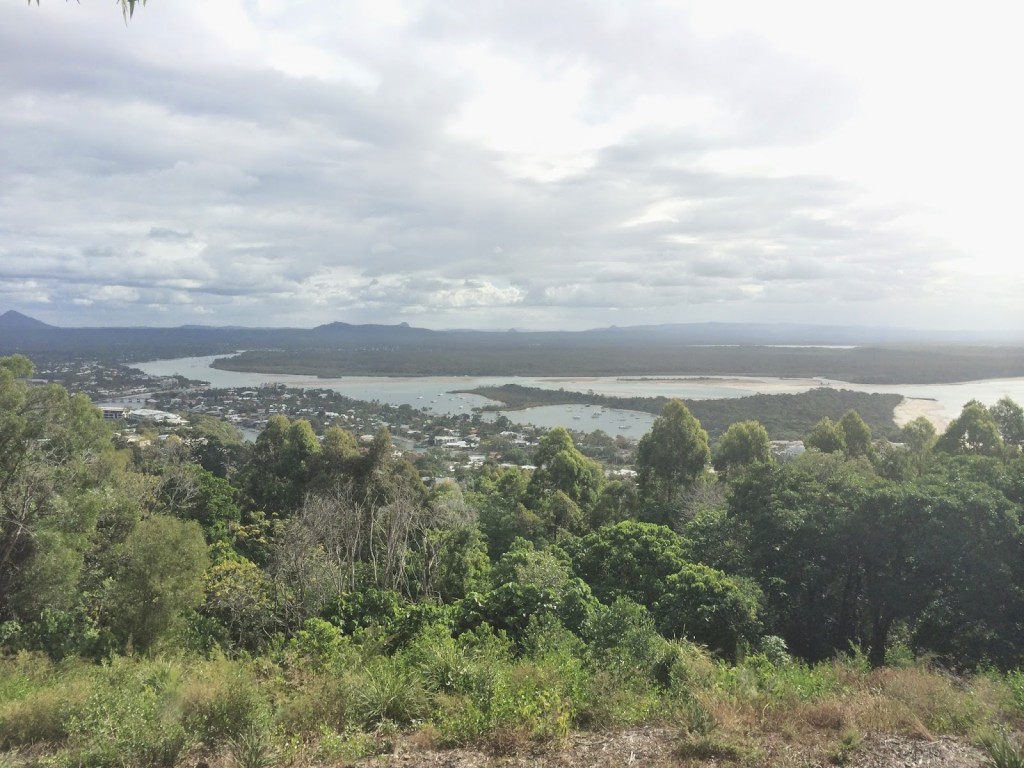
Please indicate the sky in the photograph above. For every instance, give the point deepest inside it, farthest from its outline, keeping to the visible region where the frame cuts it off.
(536, 165)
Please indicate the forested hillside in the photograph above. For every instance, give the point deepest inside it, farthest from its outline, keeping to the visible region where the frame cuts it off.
(308, 600)
(786, 416)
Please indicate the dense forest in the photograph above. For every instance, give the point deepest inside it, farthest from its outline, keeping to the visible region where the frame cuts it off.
(308, 600)
(547, 354)
(785, 417)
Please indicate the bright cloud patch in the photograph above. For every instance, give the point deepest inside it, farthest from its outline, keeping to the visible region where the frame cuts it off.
(515, 164)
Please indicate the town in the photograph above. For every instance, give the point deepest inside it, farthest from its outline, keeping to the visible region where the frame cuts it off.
(439, 445)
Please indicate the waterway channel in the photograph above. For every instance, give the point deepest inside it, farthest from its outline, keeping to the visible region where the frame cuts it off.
(939, 402)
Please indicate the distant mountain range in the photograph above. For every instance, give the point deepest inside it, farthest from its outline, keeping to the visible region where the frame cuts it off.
(339, 348)
(691, 333)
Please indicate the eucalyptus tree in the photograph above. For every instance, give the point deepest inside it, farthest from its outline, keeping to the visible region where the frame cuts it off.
(744, 443)
(670, 457)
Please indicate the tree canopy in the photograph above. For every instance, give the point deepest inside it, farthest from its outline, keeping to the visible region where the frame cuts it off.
(669, 458)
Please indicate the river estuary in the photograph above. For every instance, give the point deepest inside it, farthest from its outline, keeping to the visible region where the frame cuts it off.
(938, 402)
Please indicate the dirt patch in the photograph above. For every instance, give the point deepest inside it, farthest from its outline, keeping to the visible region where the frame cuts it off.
(659, 747)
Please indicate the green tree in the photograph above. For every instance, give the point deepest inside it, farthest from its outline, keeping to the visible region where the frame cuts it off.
(158, 579)
(497, 494)
(456, 562)
(974, 431)
(618, 502)
(1009, 417)
(826, 436)
(792, 526)
(561, 467)
(283, 465)
(743, 444)
(529, 585)
(629, 559)
(856, 435)
(55, 466)
(210, 502)
(919, 438)
(669, 458)
(710, 608)
(918, 435)
(240, 598)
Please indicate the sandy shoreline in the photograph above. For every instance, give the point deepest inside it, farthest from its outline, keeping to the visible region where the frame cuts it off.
(913, 407)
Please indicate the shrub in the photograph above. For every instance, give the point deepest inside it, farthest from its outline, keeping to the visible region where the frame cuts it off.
(443, 665)
(253, 747)
(389, 692)
(39, 717)
(317, 645)
(130, 717)
(220, 701)
(1015, 680)
(623, 639)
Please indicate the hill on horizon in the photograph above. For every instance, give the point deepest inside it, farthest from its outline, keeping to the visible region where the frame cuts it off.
(13, 320)
(696, 333)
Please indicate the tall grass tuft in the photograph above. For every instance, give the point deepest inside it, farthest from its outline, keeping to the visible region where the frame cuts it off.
(389, 693)
(1002, 752)
(253, 747)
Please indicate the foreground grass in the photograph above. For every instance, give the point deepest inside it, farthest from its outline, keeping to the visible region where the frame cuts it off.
(330, 700)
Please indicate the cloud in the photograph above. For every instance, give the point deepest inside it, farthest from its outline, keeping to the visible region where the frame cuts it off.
(501, 164)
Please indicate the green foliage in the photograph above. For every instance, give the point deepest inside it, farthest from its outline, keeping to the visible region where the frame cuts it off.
(221, 701)
(856, 435)
(498, 496)
(919, 435)
(36, 699)
(241, 599)
(975, 431)
(374, 606)
(669, 458)
(368, 608)
(797, 528)
(1009, 417)
(129, 718)
(629, 559)
(213, 505)
(252, 747)
(389, 693)
(18, 366)
(1002, 751)
(522, 703)
(744, 443)
(827, 437)
(1015, 681)
(457, 560)
(708, 607)
(562, 469)
(623, 640)
(54, 455)
(62, 634)
(317, 645)
(158, 579)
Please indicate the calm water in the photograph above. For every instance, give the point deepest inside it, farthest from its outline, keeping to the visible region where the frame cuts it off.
(435, 392)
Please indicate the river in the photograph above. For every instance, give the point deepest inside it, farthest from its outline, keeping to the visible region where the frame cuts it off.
(938, 402)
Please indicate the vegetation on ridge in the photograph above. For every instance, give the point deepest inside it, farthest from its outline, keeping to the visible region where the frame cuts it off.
(310, 600)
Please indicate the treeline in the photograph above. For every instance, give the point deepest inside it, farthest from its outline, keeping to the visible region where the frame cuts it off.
(551, 354)
(339, 349)
(786, 416)
(311, 590)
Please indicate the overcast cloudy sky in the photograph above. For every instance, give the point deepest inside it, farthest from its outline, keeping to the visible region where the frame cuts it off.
(521, 164)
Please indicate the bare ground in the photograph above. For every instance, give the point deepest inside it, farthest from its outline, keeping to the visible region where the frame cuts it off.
(657, 746)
